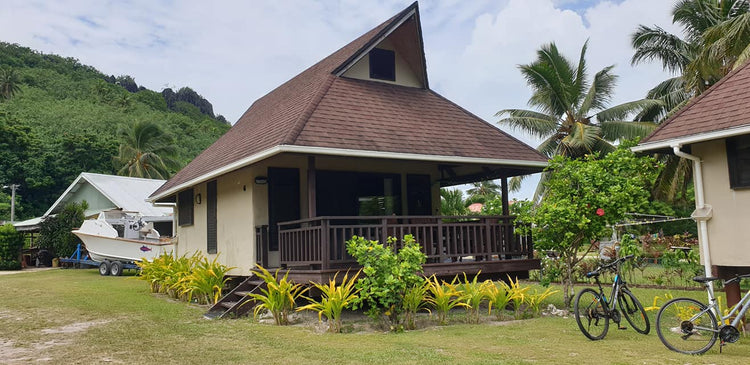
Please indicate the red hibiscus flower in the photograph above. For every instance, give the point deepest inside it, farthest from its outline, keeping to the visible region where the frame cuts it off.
(600, 212)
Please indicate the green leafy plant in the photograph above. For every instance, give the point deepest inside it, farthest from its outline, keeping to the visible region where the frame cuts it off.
(205, 282)
(443, 297)
(11, 242)
(334, 299)
(498, 296)
(55, 231)
(278, 297)
(388, 273)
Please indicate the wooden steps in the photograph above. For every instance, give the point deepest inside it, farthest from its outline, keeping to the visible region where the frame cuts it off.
(237, 302)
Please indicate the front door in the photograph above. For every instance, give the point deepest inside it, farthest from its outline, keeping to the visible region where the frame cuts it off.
(283, 201)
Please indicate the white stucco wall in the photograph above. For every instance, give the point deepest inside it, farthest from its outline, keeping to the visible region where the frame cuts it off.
(728, 233)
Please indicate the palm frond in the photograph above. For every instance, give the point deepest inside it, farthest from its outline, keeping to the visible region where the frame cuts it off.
(582, 138)
(618, 130)
(622, 111)
(657, 44)
(534, 123)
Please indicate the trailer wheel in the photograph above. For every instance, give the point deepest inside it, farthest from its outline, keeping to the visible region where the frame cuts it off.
(104, 268)
(115, 269)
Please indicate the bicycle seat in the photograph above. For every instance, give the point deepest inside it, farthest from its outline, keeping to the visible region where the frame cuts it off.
(704, 279)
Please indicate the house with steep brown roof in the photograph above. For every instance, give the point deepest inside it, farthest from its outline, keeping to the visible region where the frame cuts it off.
(357, 144)
(713, 131)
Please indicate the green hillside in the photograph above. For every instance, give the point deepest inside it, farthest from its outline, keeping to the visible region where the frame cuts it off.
(64, 119)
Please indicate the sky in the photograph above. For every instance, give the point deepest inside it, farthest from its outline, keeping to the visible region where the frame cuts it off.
(232, 52)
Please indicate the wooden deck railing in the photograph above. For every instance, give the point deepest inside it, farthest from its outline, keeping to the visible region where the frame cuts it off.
(320, 243)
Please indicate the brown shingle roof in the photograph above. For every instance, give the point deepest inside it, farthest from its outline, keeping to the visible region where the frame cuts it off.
(318, 109)
(723, 106)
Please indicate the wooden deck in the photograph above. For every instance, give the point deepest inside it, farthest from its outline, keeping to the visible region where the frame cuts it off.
(315, 249)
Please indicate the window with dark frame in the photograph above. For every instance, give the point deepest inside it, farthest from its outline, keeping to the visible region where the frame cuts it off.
(185, 208)
(738, 159)
(382, 64)
(211, 241)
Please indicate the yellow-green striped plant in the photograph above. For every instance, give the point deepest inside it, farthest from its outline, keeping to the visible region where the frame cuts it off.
(172, 282)
(535, 300)
(498, 296)
(279, 297)
(443, 297)
(334, 299)
(415, 300)
(205, 282)
(517, 295)
(473, 293)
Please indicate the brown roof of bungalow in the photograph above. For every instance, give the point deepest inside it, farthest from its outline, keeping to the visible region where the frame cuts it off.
(319, 109)
(723, 107)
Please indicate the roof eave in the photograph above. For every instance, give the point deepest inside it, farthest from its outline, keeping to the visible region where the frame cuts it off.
(695, 138)
(346, 153)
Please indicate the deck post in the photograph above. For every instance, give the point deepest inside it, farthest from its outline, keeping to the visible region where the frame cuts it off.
(325, 244)
(441, 240)
(507, 223)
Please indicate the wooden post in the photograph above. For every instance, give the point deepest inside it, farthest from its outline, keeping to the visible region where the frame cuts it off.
(508, 237)
(504, 192)
(311, 186)
(325, 244)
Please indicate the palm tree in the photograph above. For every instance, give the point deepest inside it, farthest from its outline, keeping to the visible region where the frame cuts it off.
(573, 116)
(9, 82)
(716, 38)
(145, 151)
(452, 202)
(483, 191)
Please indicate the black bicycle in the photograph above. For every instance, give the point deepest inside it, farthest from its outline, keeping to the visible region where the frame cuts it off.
(593, 310)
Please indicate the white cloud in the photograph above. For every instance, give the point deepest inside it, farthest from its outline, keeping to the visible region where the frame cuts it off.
(233, 52)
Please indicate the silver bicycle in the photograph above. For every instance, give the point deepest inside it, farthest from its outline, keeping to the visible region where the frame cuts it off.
(690, 327)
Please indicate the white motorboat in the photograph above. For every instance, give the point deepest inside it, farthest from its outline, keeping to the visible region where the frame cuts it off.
(118, 235)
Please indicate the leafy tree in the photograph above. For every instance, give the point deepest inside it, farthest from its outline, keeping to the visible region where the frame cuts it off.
(452, 202)
(11, 243)
(55, 231)
(583, 197)
(573, 116)
(9, 83)
(145, 151)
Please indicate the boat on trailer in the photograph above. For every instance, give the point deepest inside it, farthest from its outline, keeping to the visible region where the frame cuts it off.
(118, 238)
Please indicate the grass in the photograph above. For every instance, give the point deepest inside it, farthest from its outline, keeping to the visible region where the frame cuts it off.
(127, 324)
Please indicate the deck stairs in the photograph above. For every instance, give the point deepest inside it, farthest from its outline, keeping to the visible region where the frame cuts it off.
(237, 302)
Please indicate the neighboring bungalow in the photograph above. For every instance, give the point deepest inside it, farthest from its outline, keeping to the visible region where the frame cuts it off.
(713, 131)
(105, 192)
(355, 144)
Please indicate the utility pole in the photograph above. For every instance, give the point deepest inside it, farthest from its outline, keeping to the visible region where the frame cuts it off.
(13, 188)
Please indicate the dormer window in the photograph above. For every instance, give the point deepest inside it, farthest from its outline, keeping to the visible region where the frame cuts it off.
(383, 64)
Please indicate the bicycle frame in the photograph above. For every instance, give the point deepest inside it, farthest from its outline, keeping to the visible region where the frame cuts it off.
(740, 310)
(614, 294)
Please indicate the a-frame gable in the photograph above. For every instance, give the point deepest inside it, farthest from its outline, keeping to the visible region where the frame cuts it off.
(403, 39)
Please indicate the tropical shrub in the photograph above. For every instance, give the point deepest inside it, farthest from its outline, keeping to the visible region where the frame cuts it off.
(388, 273)
(498, 296)
(443, 297)
(534, 300)
(205, 282)
(189, 278)
(55, 231)
(334, 299)
(583, 197)
(279, 297)
(11, 242)
(473, 293)
(415, 300)
(517, 295)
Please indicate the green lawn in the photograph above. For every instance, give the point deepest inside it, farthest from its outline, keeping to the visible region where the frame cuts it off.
(77, 316)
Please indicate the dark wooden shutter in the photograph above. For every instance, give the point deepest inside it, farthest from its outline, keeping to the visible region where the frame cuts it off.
(738, 159)
(185, 207)
(211, 217)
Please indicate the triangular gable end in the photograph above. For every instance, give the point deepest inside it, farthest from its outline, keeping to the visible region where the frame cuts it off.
(395, 56)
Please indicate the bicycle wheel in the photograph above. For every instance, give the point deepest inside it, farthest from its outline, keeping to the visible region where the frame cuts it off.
(633, 311)
(686, 326)
(591, 314)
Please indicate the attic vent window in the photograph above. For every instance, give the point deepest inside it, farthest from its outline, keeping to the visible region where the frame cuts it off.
(383, 64)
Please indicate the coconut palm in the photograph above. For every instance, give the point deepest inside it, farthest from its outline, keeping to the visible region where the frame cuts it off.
(9, 83)
(483, 190)
(572, 116)
(716, 34)
(145, 151)
(452, 202)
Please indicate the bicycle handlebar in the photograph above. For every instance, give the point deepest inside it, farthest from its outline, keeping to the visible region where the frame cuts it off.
(608, 266)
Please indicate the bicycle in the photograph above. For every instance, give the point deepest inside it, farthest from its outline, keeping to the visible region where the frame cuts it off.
(688, 326)
(593, 310)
